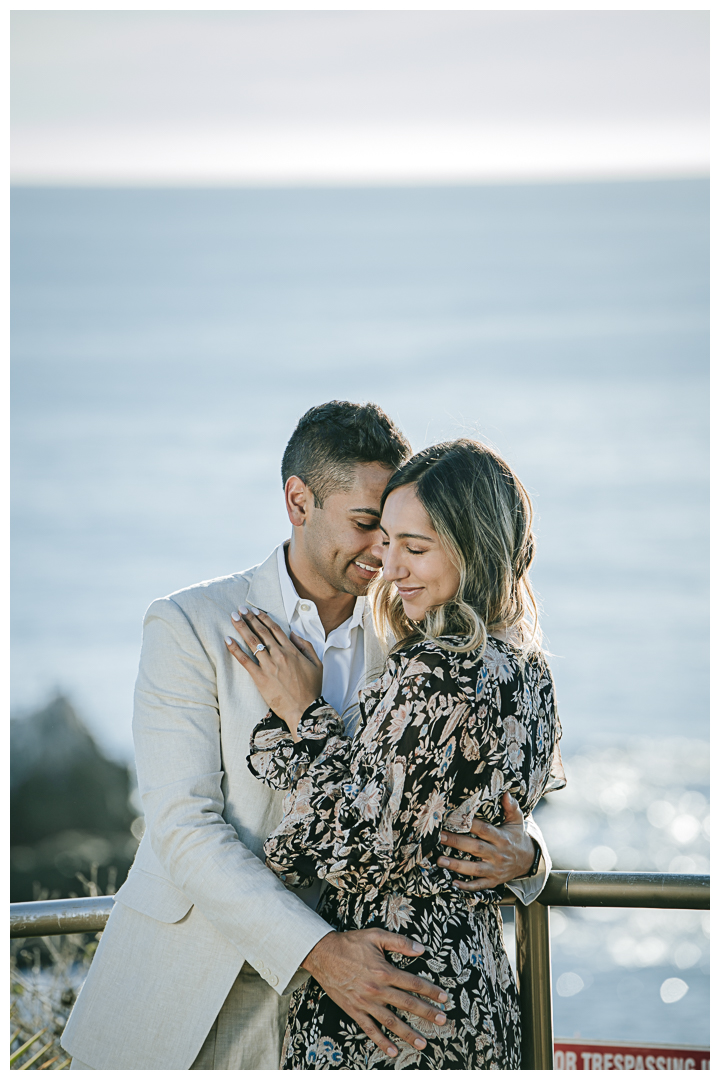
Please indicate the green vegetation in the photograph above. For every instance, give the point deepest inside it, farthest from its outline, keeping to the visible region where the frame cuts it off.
(73, 831)
(69, 808)
(42, 995)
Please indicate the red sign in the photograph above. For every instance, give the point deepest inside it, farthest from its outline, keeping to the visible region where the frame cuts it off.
(579, 1054)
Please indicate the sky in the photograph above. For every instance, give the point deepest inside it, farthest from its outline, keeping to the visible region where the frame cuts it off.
(275, 97)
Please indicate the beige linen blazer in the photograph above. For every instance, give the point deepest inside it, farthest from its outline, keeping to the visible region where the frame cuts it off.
(198, 903)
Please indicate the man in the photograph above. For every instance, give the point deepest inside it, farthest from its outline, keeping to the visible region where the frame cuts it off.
(205, 944)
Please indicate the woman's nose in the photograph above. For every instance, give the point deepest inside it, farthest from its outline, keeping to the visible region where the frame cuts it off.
(392, 570)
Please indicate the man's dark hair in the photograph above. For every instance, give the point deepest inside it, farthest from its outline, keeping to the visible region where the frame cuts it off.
(331, 439)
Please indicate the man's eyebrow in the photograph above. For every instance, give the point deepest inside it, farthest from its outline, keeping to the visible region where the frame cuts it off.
(365, 510)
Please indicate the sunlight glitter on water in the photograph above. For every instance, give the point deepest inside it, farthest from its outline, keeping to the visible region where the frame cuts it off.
(617, 973)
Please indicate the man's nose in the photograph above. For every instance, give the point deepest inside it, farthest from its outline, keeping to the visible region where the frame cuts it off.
(378, 551)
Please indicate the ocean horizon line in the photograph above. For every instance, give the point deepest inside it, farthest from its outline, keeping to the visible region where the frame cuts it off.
(353, 184)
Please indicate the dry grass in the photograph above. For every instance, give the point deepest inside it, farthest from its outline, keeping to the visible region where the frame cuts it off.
(45, 977)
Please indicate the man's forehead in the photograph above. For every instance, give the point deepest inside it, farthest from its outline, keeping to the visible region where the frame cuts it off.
(369, 481)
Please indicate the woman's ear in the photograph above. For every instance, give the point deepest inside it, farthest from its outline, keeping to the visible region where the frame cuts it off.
(297, 496)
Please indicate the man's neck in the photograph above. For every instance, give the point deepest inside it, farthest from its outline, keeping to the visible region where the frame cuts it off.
(333, 607)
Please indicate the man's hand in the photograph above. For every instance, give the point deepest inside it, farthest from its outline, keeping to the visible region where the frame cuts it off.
(352, 970)
(503, 853)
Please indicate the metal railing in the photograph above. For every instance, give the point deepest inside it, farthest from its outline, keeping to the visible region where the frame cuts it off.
(564, 888)
(581, 888)
(43, 918)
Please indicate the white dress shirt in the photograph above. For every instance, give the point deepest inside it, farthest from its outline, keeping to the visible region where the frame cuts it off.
(342, 652)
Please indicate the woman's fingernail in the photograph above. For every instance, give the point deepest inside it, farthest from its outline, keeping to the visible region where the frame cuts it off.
(417, 947)
(391, 1051)
(234, 616)
(420, 1043)
(443, 861)
(255, 611)
(228, 641)
(443, 837)
(440, 1018)
(243, 610)
(442, 996)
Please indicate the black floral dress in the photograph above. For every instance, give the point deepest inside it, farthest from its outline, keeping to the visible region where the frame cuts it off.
(442, 736)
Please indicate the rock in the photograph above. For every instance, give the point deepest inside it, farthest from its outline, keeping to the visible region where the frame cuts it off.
(49, 742)
(69, 806)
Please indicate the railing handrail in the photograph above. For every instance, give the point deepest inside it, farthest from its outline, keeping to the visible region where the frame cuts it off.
(616, 888)
(564, 888)
(44, 918)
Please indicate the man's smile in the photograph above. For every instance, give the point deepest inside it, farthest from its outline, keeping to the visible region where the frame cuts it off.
(366, 569)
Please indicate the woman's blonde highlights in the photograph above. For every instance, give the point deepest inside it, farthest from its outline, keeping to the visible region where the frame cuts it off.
(483, 516)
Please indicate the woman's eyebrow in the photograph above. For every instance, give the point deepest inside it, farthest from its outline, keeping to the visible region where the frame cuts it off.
(409, 536)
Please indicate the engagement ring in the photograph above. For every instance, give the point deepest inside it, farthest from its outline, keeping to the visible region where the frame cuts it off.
(259, 649)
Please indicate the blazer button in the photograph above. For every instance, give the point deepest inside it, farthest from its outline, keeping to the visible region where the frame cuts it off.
(273, 980)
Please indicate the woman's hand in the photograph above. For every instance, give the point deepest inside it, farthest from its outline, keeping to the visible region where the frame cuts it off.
(285, 669)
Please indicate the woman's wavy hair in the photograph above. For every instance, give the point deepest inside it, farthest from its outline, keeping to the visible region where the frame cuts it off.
(483, 516)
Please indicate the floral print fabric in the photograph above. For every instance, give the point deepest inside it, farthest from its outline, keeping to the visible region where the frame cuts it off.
(442, 736)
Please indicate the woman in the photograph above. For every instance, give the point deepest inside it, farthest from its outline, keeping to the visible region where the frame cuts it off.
(464, 711)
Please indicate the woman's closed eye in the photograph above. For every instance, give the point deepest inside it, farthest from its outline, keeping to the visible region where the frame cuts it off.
(411, 551)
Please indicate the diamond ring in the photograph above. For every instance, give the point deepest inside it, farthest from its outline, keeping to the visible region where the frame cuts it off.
(258, 649)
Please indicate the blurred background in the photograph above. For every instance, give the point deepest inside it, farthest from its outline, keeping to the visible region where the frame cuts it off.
(491, 223)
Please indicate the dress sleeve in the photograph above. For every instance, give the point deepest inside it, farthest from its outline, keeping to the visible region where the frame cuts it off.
(371, 808)
(276, 759)
(440, 742)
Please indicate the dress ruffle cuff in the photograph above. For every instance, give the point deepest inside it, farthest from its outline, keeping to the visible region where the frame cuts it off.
(276, 759)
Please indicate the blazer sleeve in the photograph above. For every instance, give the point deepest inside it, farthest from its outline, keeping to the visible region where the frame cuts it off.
(528, 889)
(176, 728)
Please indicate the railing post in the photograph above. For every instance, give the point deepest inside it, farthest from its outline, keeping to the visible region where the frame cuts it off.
(532, 939)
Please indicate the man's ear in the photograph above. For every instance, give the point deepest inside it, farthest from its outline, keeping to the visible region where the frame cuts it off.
(298, 497)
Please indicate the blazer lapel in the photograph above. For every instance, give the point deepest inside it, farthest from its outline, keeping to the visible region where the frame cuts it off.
(265, 592)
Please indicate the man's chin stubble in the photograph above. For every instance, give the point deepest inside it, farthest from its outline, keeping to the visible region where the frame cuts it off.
(357, 588)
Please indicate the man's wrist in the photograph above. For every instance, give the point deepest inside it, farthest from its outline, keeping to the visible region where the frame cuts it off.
(313, 958)
(532, 872)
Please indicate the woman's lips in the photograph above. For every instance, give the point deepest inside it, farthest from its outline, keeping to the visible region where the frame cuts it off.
(407, 593)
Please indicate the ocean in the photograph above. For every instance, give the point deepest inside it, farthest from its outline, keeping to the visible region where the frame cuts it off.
(165, 342)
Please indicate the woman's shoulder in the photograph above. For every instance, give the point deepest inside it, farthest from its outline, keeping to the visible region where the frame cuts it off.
(445, 648)
(428, 668)
(440, 660)
(504, 660)
(434, 651)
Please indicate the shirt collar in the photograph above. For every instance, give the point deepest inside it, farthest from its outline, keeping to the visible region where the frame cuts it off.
(291, 599)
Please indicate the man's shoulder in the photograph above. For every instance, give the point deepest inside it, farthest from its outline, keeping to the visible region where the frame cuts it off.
(213, 588)
(219, 591)
(203, 602)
